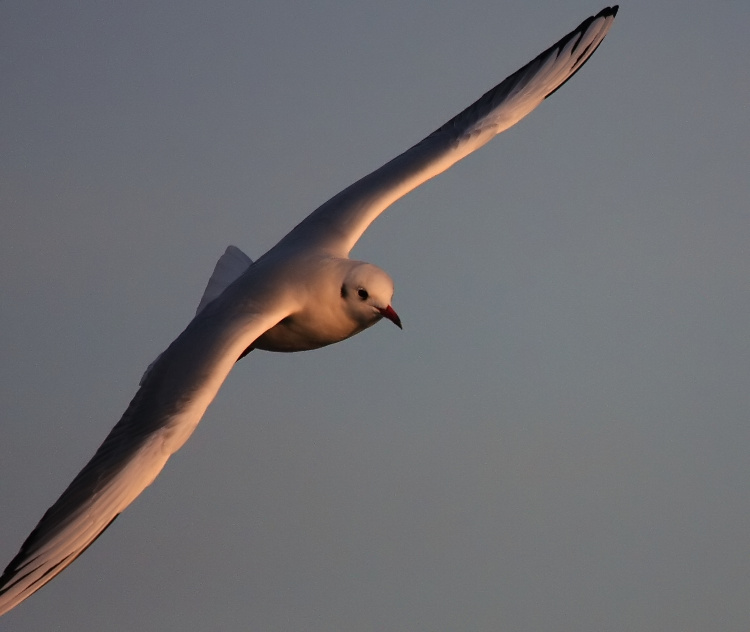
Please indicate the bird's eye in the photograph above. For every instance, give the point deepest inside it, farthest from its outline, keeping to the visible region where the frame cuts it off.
(362, 293)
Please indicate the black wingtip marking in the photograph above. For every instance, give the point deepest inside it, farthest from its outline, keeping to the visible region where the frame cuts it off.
(9, 578)
(486, 101)
(606, 12)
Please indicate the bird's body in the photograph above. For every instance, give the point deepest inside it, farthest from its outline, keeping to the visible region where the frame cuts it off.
(303, 294)
(318, 323)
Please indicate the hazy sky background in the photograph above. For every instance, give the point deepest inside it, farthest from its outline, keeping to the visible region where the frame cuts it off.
(559, 438)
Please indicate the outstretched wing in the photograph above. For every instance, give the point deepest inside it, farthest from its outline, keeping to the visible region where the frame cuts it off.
(339, 223)
(164, 412)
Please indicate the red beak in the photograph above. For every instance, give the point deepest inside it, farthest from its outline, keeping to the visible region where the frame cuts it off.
(391, 315)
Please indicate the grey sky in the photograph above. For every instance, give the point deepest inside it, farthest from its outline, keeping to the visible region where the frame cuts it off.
(558, 440)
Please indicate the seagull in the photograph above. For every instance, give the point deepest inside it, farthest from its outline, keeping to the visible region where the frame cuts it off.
(303, 294)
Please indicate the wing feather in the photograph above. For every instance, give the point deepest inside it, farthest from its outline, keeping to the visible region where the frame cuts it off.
(163, 414)
(339, 223)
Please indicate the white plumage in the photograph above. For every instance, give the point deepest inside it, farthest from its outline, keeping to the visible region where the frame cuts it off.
(302, 294)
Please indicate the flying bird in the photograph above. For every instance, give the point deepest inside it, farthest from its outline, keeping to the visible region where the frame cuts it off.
(303, 294)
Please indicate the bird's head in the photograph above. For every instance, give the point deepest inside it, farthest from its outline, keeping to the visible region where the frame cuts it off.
(367, 292)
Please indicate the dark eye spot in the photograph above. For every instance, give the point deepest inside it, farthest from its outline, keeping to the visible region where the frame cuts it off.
(362, 293)
(343, 291)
